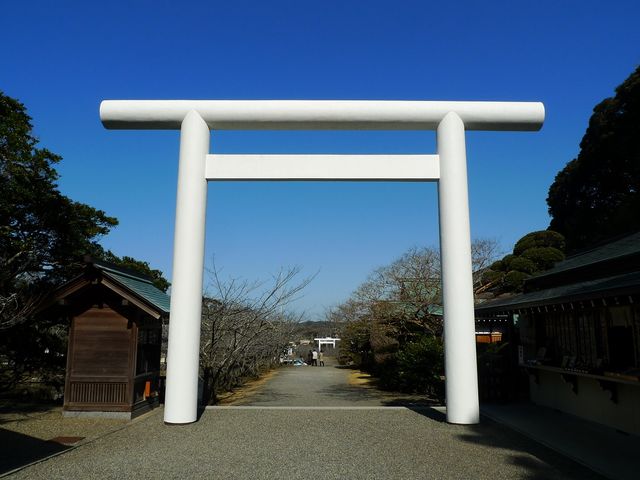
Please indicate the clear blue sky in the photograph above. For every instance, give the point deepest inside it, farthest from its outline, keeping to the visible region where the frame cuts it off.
(62, 58)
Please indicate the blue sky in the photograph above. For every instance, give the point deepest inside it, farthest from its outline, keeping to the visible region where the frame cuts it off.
(62, 58)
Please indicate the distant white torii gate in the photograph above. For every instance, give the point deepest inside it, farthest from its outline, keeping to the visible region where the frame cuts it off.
(195, 119)
(326, 341)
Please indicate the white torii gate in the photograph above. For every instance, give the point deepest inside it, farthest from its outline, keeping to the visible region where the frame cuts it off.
(326, 341)
(195, 119)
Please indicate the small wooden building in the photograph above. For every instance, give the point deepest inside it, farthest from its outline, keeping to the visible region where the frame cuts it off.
(576, 334)
(115, 334)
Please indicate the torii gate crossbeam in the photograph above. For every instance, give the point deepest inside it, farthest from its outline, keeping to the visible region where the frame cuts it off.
(195, 119)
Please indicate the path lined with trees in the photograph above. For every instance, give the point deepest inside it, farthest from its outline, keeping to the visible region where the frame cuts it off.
(245, 328)
(328, 386)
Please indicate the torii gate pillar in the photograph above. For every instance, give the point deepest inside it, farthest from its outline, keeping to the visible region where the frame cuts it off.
(183, 350)
(195, 118)
(461, 384)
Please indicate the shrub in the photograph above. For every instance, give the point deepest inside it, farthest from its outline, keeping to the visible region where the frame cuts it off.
(420, 366)
(544, 257)
(491, 276)
(543, 238)
(497, 266)
(523, 264)
(514, 280)
(506, 262)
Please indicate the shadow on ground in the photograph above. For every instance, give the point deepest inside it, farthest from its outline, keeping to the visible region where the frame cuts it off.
(17, 412)
(19, 450)
(538, 461)
(349, 393)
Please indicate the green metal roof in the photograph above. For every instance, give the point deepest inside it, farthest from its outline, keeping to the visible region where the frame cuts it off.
(566, 293)
(139, 285)
(628, 245)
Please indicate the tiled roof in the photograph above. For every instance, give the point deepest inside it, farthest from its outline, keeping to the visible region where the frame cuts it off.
(139, 285)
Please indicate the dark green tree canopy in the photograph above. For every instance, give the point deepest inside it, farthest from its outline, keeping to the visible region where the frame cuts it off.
(533, 253)
(543, 238)
(597, 195)
(44, 236)
(43, 233)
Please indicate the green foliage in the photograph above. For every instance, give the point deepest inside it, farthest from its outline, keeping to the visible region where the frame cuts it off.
(416, 367)
(533, 253)
(420, 366)
(543, 238)
(497, 266)
(523, 264)
(356, 344)
(491, 276)
(43, 238)
(597, 195)
(43, 233)
(506, 262)
(34, 351)
(514, 280)
(543, 258)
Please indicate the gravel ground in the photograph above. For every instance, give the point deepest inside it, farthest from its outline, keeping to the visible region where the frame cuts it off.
(24, 433)
(49, 423)
(271, 434)
(294, 443)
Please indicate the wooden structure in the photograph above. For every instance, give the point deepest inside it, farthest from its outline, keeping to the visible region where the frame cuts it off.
(575, 332)
(115, 334)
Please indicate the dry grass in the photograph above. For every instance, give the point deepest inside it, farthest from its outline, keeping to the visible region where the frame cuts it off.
(246, 390)
(356, 377)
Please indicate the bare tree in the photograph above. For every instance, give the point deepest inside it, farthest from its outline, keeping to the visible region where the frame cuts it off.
(18, 300)
(16, 309)
(402, 299)
(245, 327)
(484, 252)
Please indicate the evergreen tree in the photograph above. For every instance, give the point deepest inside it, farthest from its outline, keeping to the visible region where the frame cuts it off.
(597, 195)
(533, 253)
(44, 236)
(43, 233)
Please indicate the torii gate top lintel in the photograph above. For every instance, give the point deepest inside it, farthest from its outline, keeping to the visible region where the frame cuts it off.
(320, 114)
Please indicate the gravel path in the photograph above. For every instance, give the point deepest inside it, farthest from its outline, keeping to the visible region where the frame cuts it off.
(293, 443)
(351, 438)
(329, 386)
